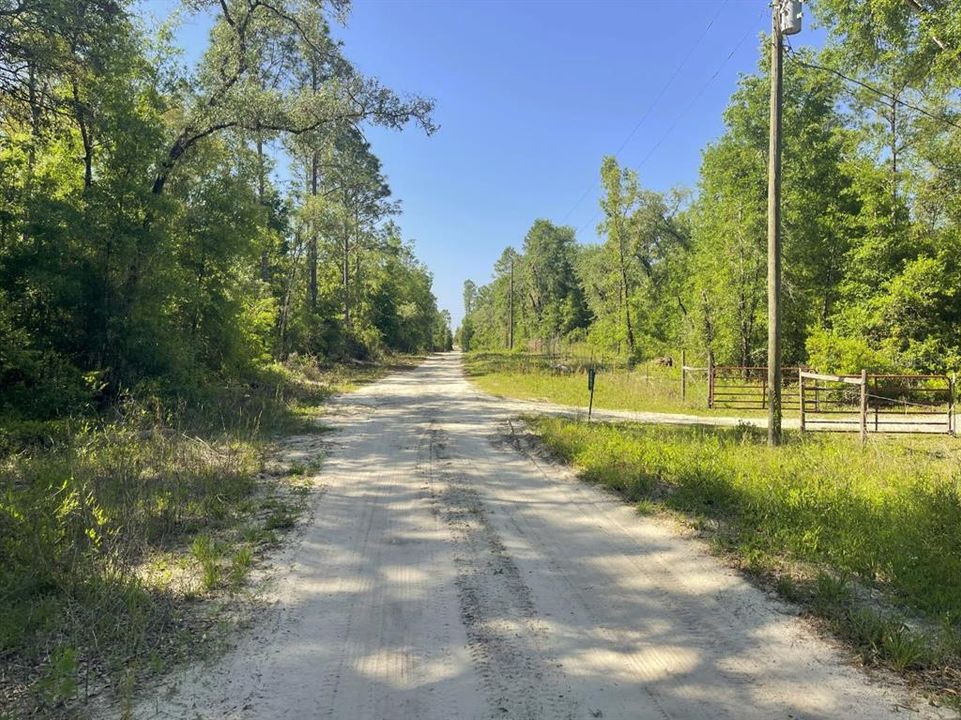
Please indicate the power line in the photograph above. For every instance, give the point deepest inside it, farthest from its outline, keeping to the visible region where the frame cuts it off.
(880, 93)
(670, 80)
(680, 115)
(650, 108)
(694, 98)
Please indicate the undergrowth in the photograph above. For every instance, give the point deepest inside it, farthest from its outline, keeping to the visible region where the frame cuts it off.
(117, 529)
(866, 537)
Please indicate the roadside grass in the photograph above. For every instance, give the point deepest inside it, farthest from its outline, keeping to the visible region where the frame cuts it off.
(127, 539)
(645, 388)
(866, 538)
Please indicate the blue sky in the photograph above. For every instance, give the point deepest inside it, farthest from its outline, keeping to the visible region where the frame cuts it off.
(530, 96)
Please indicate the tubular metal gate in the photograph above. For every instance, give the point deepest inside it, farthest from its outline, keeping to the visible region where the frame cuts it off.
(746, 388)
(877, 403)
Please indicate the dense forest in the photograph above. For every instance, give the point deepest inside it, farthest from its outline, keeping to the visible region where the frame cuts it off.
(165, 226)
(871, 220)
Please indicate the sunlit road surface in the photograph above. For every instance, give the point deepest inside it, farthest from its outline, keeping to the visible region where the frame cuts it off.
(444, 573)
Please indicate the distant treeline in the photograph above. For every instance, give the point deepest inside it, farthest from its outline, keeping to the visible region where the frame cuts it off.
(871, 220)
(144, 241)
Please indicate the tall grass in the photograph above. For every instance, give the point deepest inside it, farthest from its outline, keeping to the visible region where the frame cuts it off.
(886, 516)
(78, 519)
(645, 387)
(112, 527)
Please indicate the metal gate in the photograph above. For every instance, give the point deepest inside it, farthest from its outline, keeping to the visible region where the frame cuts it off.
(746, 388)
(877, 403)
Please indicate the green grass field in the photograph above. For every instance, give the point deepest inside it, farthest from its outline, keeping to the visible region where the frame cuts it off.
(829, 523)
(645, 388)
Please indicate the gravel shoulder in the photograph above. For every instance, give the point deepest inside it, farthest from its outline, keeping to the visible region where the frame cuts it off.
(445, 574)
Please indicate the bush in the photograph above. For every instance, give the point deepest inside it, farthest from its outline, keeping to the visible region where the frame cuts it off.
(829, 352)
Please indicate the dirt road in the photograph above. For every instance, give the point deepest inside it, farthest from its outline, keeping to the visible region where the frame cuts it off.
(445, 575)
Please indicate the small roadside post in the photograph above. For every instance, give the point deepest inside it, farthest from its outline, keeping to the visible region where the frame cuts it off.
(591, 374)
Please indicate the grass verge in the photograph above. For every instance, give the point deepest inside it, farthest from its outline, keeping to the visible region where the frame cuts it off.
(646, 388)
(867, 539)
(126, 540)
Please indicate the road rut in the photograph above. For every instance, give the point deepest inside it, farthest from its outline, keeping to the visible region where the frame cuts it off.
(444, 574)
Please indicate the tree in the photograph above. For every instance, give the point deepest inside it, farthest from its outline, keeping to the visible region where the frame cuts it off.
(466, 329)
(621, 195)
(819, 209)
(554, 294)
(253, 40)
(643, 247)
(141, 237)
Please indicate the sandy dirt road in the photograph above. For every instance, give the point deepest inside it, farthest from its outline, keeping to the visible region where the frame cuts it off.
(444, 574)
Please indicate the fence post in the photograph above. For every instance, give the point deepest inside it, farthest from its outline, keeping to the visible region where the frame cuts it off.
(710, 380)
(951, 382)
(864, 406)
(800, 376)
(799, 371)
(683, 375)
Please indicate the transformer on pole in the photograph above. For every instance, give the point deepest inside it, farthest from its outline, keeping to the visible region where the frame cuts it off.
(790, 17)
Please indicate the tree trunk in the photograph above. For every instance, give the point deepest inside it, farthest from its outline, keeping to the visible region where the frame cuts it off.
(625, 296)
(314, 177)
(345, 274)
(261, 192)
(708, 327)
(312, 245)
(510, 311)
(84, 136)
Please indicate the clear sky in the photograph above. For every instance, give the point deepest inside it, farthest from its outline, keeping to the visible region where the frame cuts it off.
(530, 96)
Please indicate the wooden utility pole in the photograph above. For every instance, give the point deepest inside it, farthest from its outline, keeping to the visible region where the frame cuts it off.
(774, 236)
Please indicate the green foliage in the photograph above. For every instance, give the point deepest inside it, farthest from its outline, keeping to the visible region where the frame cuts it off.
(831, 352)
(871, 173)
(59, 683)
(78, 521)
(109, 528)
(240, 565)
(208, 553)
(630, 281)
(536, 296)
(142, 242)
(154, 280)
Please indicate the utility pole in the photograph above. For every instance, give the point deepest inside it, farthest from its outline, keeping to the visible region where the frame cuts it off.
(785, 20)
(774, 236)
